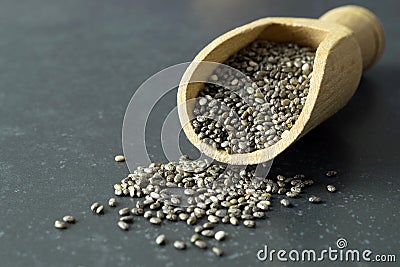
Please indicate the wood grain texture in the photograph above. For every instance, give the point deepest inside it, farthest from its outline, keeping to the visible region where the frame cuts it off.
(347, 40)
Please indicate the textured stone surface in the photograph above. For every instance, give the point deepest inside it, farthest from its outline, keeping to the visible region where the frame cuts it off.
(67, 71)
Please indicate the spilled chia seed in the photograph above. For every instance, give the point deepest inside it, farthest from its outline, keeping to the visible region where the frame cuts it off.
(202, 194)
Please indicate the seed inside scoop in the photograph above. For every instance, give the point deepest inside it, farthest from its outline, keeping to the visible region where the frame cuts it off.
(241, 115)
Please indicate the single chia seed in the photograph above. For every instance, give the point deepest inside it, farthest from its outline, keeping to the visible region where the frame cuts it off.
(100, 209)
(292, 194)
(112, 202)
(200, 244)
(220, 235)
(331, 188)
(194, 237)
(123, 225)
(331, 173)
(119, 158)
(124, 211)
(217, 251)
(208, 233)
(234, 221)
(208, 225)
(314, 199)
(60, 225)
(179, 245)
(148, 214)
(249, 223)
(198, 229)
(191, 220)
(69, 219)
(160, 240)
(155, 220)
(285, 202)
(128, 218)
(160, 214)
(137, 211)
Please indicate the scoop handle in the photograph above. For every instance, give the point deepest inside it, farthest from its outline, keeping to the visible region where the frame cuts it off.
(366, 27)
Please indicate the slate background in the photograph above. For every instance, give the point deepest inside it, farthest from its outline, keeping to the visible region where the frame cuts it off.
(67, 72)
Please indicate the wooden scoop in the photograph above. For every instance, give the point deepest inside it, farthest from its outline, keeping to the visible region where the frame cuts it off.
(347, 40)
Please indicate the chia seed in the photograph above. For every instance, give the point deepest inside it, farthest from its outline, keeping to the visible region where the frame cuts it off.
(241, 116)
(314, 199)
(179, 245)
(60, 224)
(331, 188)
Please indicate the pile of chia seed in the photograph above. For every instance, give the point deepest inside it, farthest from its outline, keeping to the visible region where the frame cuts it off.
(244, 113)
(202, 194)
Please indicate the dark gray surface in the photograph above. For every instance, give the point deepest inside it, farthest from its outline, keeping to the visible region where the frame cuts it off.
(67, 71)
